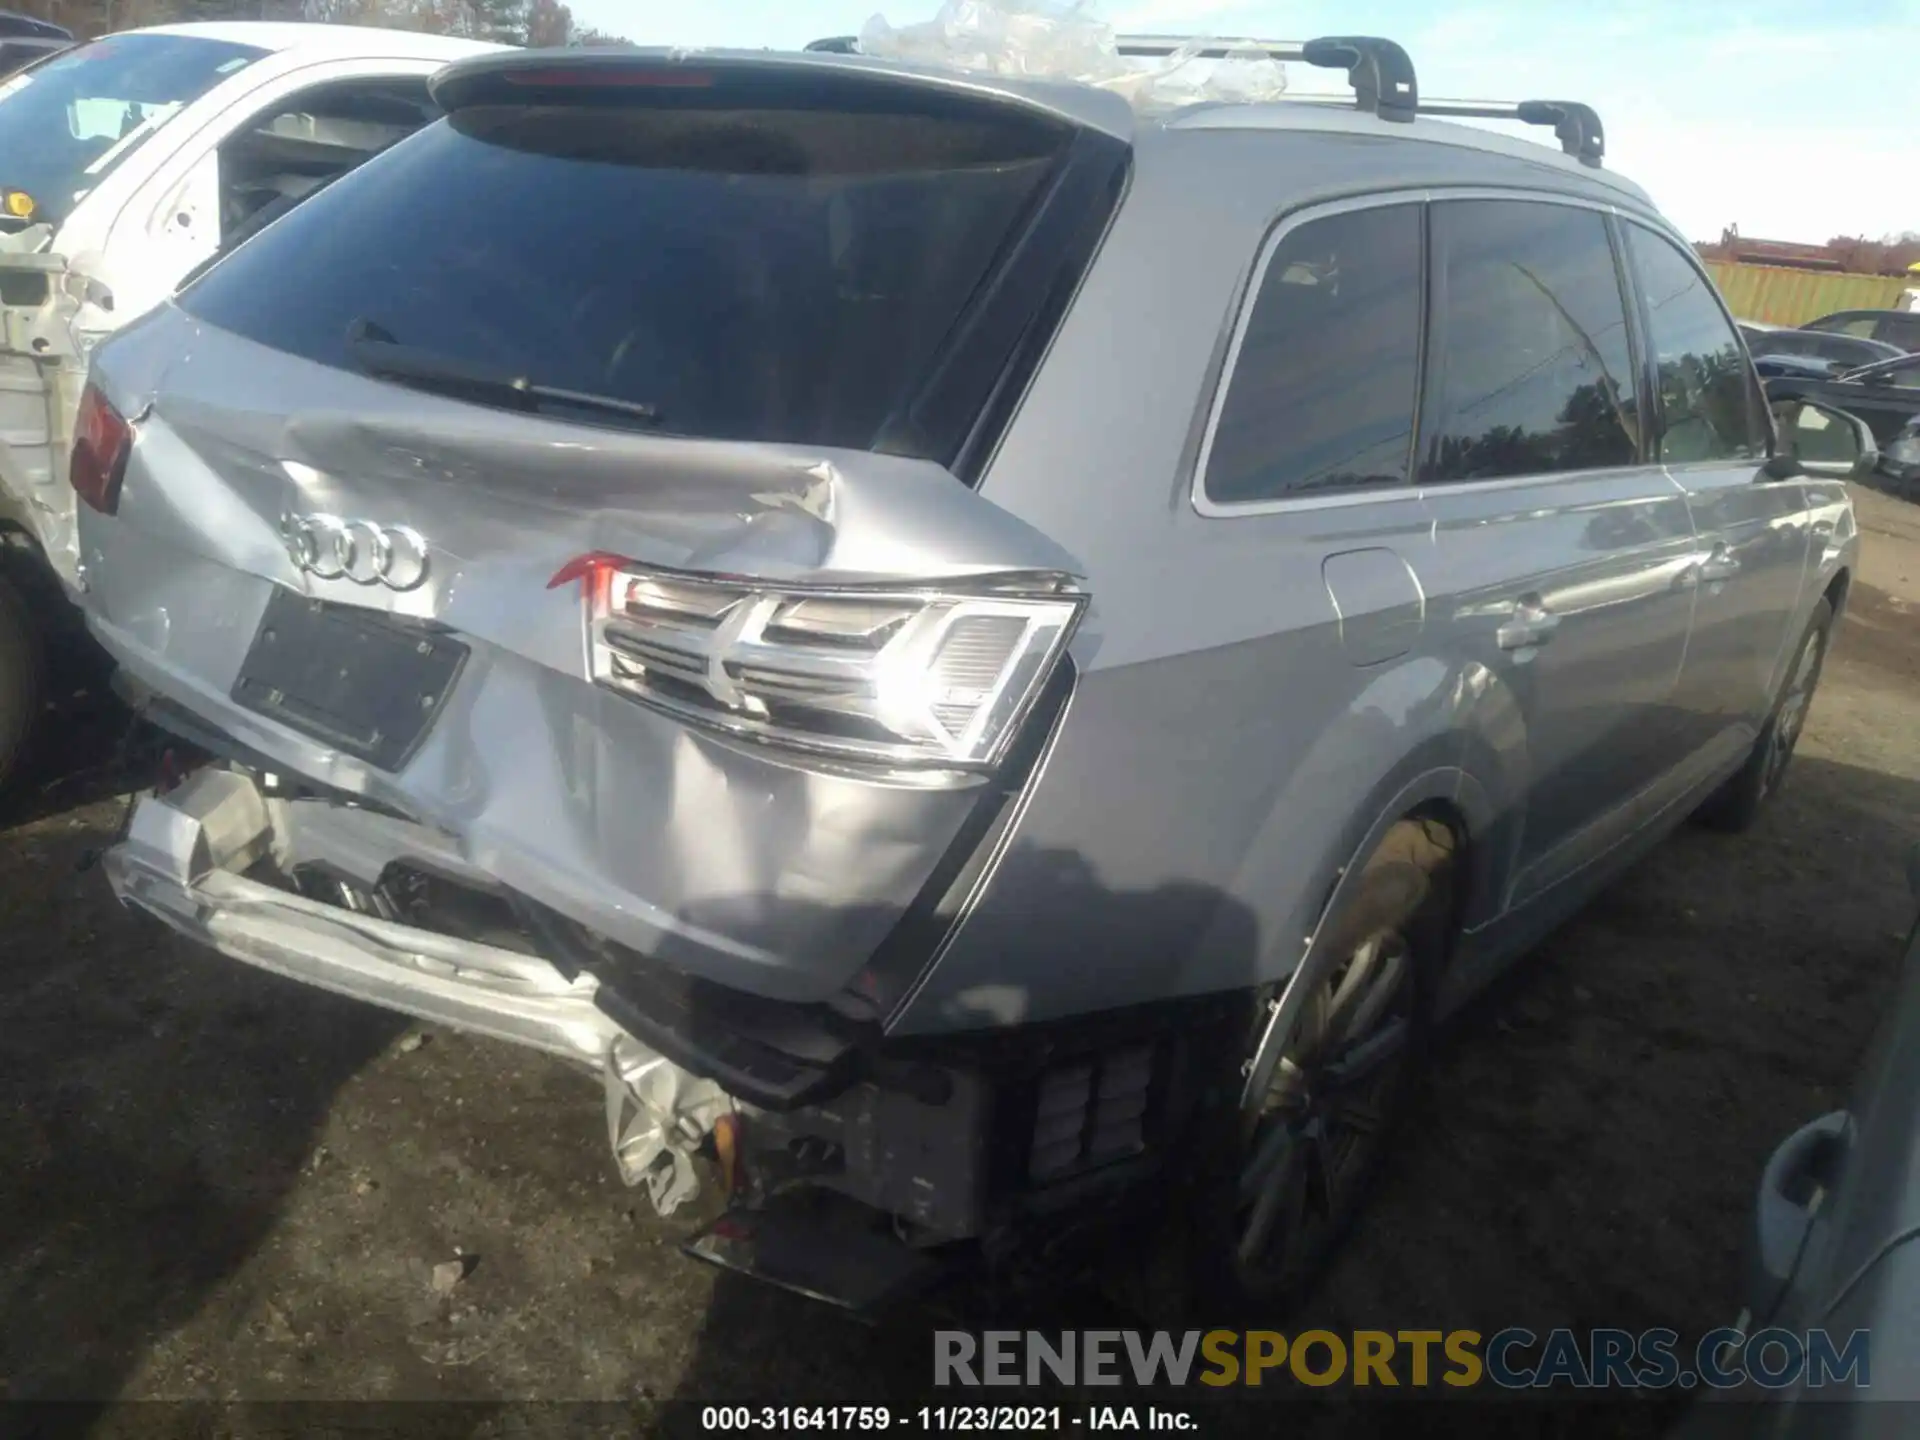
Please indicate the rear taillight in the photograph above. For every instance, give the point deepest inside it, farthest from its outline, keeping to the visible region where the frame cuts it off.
(102, 439)
(940, 675)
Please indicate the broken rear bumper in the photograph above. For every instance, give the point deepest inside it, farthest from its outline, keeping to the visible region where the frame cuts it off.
(178, 862)
(956, 1139)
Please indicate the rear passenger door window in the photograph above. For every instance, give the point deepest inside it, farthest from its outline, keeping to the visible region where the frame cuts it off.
(1535, 373)
(1321, 385)
(1710, 405)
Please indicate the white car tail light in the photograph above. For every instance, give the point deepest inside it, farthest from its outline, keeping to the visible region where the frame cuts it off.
(906, 676)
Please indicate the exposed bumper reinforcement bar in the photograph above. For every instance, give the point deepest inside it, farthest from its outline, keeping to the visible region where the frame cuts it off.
(180, 862)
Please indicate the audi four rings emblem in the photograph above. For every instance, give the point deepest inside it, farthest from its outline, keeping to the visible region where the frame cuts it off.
(329, 548)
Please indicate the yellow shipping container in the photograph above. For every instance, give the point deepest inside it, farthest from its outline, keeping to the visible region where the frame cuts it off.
(1781, 295)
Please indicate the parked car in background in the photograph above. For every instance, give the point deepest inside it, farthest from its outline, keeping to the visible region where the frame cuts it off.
(1900, 460)
(24, 40)
(978, 651)
(1839, 351)
(1835, 1247)
(124, 164)
(1900, 328)
(1885, 395)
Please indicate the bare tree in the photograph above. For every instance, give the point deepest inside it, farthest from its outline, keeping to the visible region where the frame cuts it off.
(549, 23)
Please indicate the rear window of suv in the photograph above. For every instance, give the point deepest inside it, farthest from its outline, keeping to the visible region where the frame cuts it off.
(770, 274)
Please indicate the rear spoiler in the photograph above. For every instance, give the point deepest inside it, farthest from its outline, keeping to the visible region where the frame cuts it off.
(698, 79)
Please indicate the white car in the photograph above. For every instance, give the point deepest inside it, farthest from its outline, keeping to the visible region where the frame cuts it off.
(124, 165)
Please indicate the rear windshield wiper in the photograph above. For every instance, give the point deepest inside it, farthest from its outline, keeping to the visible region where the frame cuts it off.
(376, 351)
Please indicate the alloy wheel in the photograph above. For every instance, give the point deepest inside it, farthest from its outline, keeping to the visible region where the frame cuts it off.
(1314, 1135)
(1791, 717)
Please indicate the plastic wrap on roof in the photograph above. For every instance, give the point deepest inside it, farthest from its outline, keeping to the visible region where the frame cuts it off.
(1056, 40)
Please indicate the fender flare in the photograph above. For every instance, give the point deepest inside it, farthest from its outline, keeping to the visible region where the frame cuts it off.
(1447, 784)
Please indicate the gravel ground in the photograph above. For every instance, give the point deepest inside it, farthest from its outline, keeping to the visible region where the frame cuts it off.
(224, 1186)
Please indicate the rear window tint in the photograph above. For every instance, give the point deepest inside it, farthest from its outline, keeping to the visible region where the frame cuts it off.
(783, 275)
(1901, 330)
(1321, 394)
(1537, 374)
(1800, 342)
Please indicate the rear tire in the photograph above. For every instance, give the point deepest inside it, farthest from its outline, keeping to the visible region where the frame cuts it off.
(1738, 803)
(1275, 1186)
(22, 681)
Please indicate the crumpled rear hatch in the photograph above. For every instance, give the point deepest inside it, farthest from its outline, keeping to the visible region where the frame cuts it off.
(594, 497)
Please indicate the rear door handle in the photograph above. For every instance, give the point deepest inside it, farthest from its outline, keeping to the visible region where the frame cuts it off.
(1532, 624)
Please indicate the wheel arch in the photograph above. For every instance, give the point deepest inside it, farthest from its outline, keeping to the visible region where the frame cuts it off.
(1467, 774)
(1837, 590)
(1444, 793)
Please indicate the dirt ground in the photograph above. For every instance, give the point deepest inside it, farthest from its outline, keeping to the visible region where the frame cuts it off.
(223, 1186)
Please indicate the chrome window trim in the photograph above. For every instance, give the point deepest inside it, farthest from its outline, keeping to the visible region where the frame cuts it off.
(1212, 509)
(1651, 469)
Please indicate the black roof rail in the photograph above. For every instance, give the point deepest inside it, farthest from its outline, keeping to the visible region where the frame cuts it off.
(1577, 126)
(836, 45)
(1380, 72)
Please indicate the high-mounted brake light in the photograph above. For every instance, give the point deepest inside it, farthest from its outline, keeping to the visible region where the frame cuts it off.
(102, 440)
(609, 77)
(934, 677)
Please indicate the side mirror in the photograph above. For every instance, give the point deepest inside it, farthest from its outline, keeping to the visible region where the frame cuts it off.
(1818, 440)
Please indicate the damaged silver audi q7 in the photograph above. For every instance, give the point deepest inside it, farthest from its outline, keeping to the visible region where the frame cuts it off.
(977, 653)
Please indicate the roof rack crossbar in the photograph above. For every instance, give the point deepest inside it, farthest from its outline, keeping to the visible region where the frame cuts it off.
(1380, 72)
(1382, 76)
(1575, 125)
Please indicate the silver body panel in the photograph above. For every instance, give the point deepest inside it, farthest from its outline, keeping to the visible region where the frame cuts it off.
(1257, 694)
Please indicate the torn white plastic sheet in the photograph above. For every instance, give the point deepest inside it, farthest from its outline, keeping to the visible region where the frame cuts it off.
(1062, 40)
(657, 1115)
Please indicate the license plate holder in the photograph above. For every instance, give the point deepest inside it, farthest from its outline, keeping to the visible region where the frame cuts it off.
(366, 683)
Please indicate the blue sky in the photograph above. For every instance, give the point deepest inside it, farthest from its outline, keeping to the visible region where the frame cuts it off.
(1787, 118)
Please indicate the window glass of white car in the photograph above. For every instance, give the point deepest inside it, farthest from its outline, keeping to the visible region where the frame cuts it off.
(1536, 371)
(1709, 400)
(285, 154)
(69, 123)
(1320, 395)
